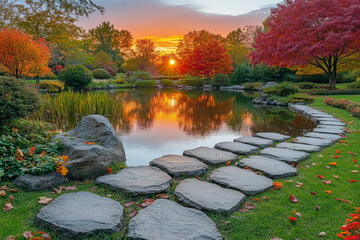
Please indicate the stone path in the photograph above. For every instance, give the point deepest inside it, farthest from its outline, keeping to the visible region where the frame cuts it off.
(165, 219)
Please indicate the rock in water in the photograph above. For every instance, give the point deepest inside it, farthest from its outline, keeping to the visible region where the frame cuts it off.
(165, 219)
(81, 214)
(39, 183)
(91, 147)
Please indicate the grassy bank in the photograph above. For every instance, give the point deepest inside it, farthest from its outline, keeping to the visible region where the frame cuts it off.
(320, 212)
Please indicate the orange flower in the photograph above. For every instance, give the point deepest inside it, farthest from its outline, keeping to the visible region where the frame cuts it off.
(333, 164)
(65, 158)
(63, 170)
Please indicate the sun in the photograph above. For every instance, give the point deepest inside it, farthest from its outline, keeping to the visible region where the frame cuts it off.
(172, 62)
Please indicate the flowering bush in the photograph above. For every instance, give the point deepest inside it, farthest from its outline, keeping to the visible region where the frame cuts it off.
(350, 106)
(351, 227)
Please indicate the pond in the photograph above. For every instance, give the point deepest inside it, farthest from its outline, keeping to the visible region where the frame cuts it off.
(153, 123)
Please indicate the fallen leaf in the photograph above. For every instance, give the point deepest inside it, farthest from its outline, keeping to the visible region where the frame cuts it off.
(226, 222)
(44, 200)
(249, 206)
(87, 181)
(199, 178)
(313, 193)
(108, 170)
(177, 180)
(289, 181)
(162, 195)
(321, 176)
(353, 181)
(228, 163)
(147, 202)
(333, 164)
(354, 160)
(28, 234)
(243, 210)
(7, 207)
(275, 238)
(265, 198)
(128, 204)
(70, 188)
(354, 171)
(354, 154)
(299, 184)
(14, 190)
(11, 198)
(19, 153)
(58, 191)
(336, 177)
(335, 156)
(317, 208)
(45, 235)
(293, 199)
(133, 214)
(94, 189)
(292, 219)
(277, 185)
(343, 200)
(338, 151)
(11, 237)
(327, 182)
(322, 234)
(2, 193)
(307, 166)
(298, 214)
(328, 191)
(320, 155)
(5, 187)
(31, 151)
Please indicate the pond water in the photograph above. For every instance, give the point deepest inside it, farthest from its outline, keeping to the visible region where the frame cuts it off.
(154, 123)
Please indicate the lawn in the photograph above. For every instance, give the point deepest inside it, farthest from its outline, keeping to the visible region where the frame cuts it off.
(355, 98)
(270, 218)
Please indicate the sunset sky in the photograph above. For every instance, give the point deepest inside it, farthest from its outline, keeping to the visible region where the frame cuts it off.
(167, 20)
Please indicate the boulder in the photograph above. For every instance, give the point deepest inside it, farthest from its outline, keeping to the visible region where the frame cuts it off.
(39, 183)
(268, 84)
(91, 147)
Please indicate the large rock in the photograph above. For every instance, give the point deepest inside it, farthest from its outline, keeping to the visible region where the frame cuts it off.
(256, 141)
(208, 196)
(277, 137)
(314, 141)
(165, 219)
(245, 181)
(81, 214)
(268, 84)
(332, 137)
(177, 165)
(39, 183)
(140, 180)
(299, 147)
(211, 155)
(270, 167)
(236, 147)
(285, 155)
(90, 161)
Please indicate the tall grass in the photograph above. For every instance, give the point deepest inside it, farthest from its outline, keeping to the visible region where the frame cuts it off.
(66, 109)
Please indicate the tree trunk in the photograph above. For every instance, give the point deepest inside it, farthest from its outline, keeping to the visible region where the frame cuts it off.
(332, 82)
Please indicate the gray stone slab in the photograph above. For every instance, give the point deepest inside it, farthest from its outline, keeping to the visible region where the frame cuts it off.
(321, 115)
(327, 119)
(332, 123)
(245, 181)
(256, 141)
(39, 183)
(277, 137)
(314, 141)
(177, 165)
(328, 130)
(165, 219)
(270, 167)
(330, 126)
(211, 155)
(285, 155)
(208, 196)
(81, 214)
(140, 180)
(332, 137)
(299, 147)
(235, 147)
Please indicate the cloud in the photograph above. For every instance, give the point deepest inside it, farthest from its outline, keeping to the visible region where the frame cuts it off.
(154, 18)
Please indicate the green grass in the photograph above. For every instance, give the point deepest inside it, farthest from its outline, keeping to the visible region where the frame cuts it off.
(33, 81)
(268, 219)
(354, 98)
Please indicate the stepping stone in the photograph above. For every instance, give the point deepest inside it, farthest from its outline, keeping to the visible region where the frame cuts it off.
(330, 126)
(332, 123)
(235, 147)
(327, 119)
(165, 219)
(177, 165)
(270, 167)
(256, 141)
(245, 181)
(277, 137)
(285, 155)
(299, 147)
(81, 214)
(208, 196)
(140, 180)
(323, 115)
(39, 183)
(332, 137)
(211, 155)
(328, 130)
(314, 141)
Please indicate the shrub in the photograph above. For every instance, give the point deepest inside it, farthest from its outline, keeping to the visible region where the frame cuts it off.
(220, 80)
(350, 106)
(307, 85)
(167, 82)
(354, 85)
(16, 99)
(300, 97)
(77, 77)
(315, 78)
(140, 75)
(110, 70)
(283, 89)
(146, 83)
(58, 68)
(191, 81)
(351, 76)
(252, 85)
(52, 86)
(335, 92)
(50, 76)
(25, 148)
(101, 73)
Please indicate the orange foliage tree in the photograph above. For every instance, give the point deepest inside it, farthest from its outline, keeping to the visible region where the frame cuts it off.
(203, 54)
(21, 55)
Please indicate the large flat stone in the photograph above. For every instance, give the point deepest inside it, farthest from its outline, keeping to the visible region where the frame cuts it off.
(256, 141)
(177, 165)
(245, 181)
(330, 126)
(235, 147)
(39, 183)
(332, 119)
(270, 167)
(140, 180)
(314, 141)
(208, 196)
(286, 155)
(299, 147)
(165, 219)
(328, 130)
(81, 214)
(211, 155)
(277, 137)
(333, 137)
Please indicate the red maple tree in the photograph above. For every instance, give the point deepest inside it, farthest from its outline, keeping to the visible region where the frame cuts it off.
(203, 54)
(322, 33)
(21, 55)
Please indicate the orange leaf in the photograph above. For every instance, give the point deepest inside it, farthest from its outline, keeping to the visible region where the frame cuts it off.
(42, 154)
(320, 176)
(353, 181)
(249, 206)
(338, 151)
(228, 163)
(342, 200)
(162, 195)
(328, 191)
(63, 170)
(335, 156)
(65, 158)
(293, 199)
(333, 164)
(292, 219)
(277, 185)
(31, 151)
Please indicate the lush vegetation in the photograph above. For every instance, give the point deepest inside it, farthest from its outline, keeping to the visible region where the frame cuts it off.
(145, 84)
(353, 107)
(167, 82)
(77, 77)
(101, 73)
(282, 90)
(191, 81)
(220, 80)
(52, 86)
